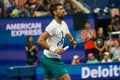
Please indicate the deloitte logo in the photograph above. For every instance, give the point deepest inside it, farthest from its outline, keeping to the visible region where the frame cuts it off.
(100, 72)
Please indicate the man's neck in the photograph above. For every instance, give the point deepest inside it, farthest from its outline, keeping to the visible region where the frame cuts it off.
(58, 20)
(100, 35)
(107, 60)
(87, 28)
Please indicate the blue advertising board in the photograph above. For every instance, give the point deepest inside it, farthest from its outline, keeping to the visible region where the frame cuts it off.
(101, 71)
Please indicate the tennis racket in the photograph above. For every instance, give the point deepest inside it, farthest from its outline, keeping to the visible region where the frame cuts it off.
(82, 36)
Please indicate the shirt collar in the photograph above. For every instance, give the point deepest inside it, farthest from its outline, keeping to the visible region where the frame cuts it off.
(56, 23)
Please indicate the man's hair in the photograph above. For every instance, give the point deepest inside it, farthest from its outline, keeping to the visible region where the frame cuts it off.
(87, 21)
(53, 7)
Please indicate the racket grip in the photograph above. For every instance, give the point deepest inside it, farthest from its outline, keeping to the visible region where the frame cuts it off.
(65, 48)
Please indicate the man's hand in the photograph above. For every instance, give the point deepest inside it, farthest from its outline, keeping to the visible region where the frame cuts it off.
(100, 49)
(59, 51)
(74, 43)
(33, 47)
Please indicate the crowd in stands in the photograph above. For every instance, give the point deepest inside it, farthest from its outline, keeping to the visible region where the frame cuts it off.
(106, 47)
(32, 8)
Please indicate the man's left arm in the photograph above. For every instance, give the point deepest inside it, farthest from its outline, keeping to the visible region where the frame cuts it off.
(71, 39)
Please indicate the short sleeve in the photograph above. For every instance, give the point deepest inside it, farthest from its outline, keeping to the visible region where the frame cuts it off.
(105, 38)
(67, 30)
(50, 29)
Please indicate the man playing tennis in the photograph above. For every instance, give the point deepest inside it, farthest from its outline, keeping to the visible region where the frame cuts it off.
(52, 41)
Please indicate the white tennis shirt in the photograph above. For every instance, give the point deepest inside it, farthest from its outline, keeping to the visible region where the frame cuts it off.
(57, 34)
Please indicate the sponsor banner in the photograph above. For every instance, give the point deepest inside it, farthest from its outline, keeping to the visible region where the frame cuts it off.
(96, 71)
(17, 27)
(100, 71)
(20, 29)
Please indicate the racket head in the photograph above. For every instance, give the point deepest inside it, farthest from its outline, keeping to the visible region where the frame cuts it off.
(84, 35)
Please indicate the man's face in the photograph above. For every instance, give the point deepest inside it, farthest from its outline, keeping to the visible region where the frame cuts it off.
(87, 25)
(100, 31)
(23, 9)
(60, 12)
(13, 3)
(77, 60)
(30, 39)
(106, 57)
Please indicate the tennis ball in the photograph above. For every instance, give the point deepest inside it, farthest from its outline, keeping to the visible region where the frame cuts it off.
(14, 12)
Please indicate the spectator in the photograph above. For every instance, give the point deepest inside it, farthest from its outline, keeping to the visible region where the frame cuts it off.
(91, 59)
(1, 8)
(67, 7)
(23, 12)
(75, 10)
(47, 3)
(34, 12)
(100, 44)
(76, 60)
(31, 2)
(106, 58)
(117, 23)
(40, 5)
(0, 12)
(31, 51)
(117, 20)
(116, 51)
(7, 3)
(111, 44)
(40, 9)
(20, 3)
(12, 7)
(89, 45)
(110, 27)
(27, 6)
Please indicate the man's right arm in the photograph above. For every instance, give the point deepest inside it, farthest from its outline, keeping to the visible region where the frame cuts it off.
(42, 40)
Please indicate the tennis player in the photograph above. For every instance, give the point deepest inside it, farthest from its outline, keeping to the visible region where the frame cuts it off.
(52, 41)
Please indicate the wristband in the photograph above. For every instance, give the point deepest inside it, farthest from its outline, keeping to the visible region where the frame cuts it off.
(72, 41)
(52, 49)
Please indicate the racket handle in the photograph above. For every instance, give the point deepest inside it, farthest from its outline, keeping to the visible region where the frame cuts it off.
(65, 48)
